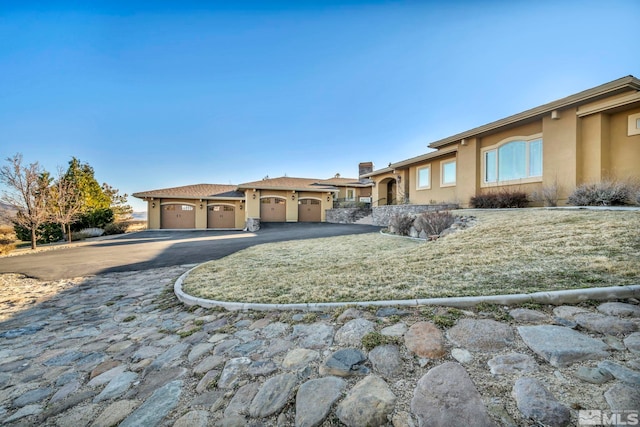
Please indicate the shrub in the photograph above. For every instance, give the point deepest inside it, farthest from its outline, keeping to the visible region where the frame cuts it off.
(97, 218)
(604, 193)
(401, 224)
(47, 233)
(500, 200)
(7, 240)
(116, 228)
(549, 195)
(435, 222)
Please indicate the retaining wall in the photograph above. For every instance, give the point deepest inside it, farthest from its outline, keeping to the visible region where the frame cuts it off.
(382, 214)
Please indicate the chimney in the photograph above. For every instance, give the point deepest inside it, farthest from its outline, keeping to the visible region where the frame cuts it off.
(364, 168)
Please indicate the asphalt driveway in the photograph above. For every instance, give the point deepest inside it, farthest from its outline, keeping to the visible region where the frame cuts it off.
(154, 249)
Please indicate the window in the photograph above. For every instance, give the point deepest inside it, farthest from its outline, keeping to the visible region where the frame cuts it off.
(634, 125)
(517, 159)
(448, 173)
(351, 194)
(187, 208)
(424, 177)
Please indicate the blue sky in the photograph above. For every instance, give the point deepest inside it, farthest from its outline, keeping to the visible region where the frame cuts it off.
(161, 94)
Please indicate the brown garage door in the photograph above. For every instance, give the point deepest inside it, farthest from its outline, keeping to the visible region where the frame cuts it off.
(178, 216)
(273, 209)
(309, 210)
(221, 216)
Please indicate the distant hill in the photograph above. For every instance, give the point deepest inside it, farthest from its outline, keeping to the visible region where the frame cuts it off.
(139, 216)
(7, 212)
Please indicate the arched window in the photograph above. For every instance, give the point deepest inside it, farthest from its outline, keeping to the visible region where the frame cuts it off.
(514, 160)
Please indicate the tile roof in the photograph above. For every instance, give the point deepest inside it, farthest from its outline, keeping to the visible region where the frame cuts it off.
(196, 191)
(344, 182)
(289, 183)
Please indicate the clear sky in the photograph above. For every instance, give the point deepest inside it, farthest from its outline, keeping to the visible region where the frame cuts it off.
(159, 94)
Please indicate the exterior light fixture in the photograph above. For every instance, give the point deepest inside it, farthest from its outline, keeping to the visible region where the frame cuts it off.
(254, 196)
(153, 205)
(293, 197)
(200, 205)
(329, 198)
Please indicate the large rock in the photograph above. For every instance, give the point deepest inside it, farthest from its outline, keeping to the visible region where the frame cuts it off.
(156, 379)
(632, 342)
(345, 363)
(115, 413)
(446, 396)
(620, 309)
(156, 407)
(397, 330)
(193, 419)
(233, 370)
(239, 404)
(561, 346)
(315, 398)
(314, 336)
(369, 403)
(622, 397)
(386, 360)
(528, 315)
(537, 403)
(117, 386)
(481, 335)
(512, 363)
(350, 335)
(621, 373)
(610, 325)
(425, 340)
(273, 395)
(299, 358)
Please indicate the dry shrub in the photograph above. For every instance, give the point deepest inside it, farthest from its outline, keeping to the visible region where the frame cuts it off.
(435, 222)
(7, 240)
(116, 228)
(401, 224)
(604, 193)
(500, 200)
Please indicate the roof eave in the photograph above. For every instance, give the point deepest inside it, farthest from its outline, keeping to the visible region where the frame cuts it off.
(607, 89)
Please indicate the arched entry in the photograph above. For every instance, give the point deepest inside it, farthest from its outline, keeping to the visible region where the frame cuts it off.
(178, 215)
(309, 210)
(273, 209)
(221, 216)
(392, 191)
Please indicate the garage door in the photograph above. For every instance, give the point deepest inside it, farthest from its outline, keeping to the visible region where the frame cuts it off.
(273, 209)
(221, 216)
(309, 210)
(178, 216)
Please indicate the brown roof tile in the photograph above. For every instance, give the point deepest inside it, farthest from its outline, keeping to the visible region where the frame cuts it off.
(288, 183)
(196, 191)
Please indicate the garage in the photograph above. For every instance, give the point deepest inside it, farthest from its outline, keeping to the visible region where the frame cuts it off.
(177, 215)
(221, 216)
(309, 210)
(273, 209)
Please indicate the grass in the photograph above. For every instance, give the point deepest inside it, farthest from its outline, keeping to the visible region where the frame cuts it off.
(507, 252)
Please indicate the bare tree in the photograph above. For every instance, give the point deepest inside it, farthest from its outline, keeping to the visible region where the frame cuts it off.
(27, 191)
(65, 203)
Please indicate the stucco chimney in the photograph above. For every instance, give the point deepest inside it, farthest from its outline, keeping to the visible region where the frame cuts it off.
(364, 168)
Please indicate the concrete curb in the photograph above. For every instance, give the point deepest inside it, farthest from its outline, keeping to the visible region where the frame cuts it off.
(572, 296)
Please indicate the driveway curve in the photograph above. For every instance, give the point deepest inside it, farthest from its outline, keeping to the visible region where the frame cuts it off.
(155, 249)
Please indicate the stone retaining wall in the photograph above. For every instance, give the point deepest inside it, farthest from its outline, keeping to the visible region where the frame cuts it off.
(346, 215)
(382, 214)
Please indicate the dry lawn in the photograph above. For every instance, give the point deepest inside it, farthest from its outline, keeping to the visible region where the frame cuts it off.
(508, 251)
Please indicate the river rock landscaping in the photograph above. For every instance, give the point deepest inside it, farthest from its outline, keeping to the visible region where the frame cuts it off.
(119, 349)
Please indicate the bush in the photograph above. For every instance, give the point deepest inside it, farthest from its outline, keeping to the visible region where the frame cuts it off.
(97, 218)
(7, 240)
(116, 228)
(47, 233)
(605, 193)
(435, 222)
(401, 224)
(500, 200)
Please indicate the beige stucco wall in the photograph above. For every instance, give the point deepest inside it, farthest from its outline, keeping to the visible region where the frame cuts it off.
(154, 211)
(624, 150)
(153, 214)
(436, 194)
(253, 205)
(523, 130)
(559, 153)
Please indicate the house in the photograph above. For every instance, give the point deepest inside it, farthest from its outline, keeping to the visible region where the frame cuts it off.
(587, 137)
(283, 199)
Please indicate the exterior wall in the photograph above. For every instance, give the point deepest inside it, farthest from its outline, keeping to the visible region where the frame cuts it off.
(153, 214)
(379, 191)
(437, 193)
(561, 152)
(624, 150)
(253, 205)
(469, 171)
(523, 130)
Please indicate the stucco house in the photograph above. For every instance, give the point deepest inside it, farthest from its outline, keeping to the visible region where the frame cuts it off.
(584, 138)
(283, 199)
